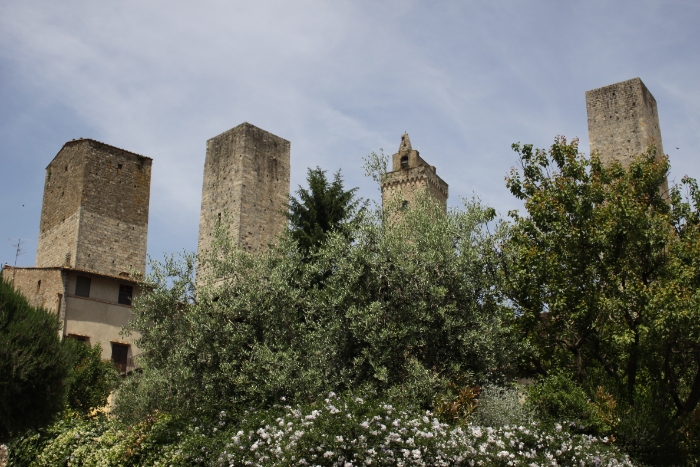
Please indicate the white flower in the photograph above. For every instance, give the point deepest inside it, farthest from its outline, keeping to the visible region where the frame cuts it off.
(328, 454)
(339, 439)
(557, 427)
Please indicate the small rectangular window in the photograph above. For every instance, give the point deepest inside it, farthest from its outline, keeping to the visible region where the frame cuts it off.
(82, 286)
(120, 354)
(125, 292)
(77, 337)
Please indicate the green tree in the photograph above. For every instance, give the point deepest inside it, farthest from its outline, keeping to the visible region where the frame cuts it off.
(402, 310)
(604, 279)
(323, 207)
(91, 379)
(33, 364)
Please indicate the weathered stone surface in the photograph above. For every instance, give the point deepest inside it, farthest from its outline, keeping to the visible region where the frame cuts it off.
(95, 209)
(410, 175)
(43, 287)
(246, 183)
(622, 121)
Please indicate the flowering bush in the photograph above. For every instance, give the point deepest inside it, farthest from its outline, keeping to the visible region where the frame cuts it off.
(339, 431)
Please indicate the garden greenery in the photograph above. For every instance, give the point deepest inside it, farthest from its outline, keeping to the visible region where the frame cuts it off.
(398, 308)
(335, 431)
(34, 364)
(603, 272)
(421, 319)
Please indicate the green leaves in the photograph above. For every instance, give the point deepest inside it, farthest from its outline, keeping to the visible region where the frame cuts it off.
(33, 364)
(324, 207)
(601, 274)
(400, 310)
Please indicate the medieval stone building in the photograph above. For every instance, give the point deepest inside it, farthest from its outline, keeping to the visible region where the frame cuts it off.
(411, 175)
(246, 185)
(94, 218)
(623, 122)
(92, 241)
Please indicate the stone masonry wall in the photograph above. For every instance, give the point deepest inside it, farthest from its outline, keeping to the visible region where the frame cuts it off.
(404, 184)
(114, 221)
(58, 245)
(63, 188)
(622, 121)
(43, 287)
(246, 184)
(99, 251)
(95, 208)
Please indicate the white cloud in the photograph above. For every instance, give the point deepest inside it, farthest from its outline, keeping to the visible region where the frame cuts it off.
(338, 79)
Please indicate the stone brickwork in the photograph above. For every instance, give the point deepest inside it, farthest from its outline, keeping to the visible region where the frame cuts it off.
(246, 184)
(623, 122)
(43, 287)
(95, 209)
(410, 175)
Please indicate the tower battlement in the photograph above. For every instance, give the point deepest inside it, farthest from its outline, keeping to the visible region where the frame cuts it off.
(410, 175)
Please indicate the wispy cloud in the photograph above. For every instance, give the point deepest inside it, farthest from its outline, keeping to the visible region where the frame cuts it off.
(338, 79)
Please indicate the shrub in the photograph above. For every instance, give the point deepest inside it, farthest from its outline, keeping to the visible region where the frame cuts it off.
(558, 398)
(499, 407)
(92, 379)
(346, 431)
(403, 309)
(33, 364)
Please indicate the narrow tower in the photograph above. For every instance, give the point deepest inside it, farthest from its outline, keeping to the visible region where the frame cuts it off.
(246, 183)
(623, 121)
(94, 214)
(410, 174)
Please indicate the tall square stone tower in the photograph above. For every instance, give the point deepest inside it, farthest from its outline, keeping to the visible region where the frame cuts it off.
(622, 121)
(246, 182)
(411, 174)
(94, 214)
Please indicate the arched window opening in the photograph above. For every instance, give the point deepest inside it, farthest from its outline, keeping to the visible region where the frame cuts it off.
(404, 162)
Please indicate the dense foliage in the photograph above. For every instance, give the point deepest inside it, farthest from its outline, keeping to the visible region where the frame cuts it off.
(33, 364)
(400, 310)
(421, 319)
(603, 273)
(91, 379)
(322, 208)
(336, 431)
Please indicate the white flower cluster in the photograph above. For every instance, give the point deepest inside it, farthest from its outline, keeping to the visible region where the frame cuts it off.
(350, 433)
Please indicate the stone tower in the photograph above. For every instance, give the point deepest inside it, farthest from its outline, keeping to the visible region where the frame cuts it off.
(622, 121)
(411, 174)
(246, 182)
(94, 215)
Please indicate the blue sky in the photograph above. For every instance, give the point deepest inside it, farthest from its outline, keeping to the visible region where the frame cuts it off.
(338, 79)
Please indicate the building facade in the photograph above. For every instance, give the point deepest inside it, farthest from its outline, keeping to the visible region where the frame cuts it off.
(92, 244)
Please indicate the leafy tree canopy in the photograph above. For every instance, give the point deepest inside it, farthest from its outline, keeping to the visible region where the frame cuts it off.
(33, 364)
(603, 272)
(323, 207)
(91, 379)
(401, 310)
